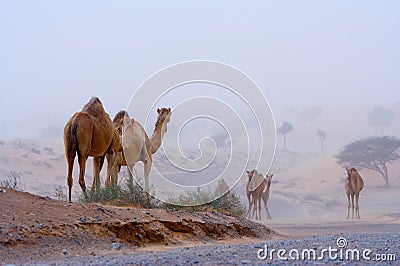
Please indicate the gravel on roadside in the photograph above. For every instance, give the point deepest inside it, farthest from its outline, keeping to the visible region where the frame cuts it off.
(248, 254)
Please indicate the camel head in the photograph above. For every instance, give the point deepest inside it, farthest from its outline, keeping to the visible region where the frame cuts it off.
(269, 178)
(251, 173)
(164, 116)
(350, 170)
(122, 121)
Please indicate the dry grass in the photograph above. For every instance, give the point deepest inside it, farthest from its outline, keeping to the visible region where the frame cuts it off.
(13, 180)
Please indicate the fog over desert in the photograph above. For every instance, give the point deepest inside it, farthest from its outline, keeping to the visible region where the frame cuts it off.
(300, 90)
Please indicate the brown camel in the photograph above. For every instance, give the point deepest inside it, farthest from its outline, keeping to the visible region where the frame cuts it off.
(89, 132)
(257, 189)
(354, 184)
(137, 145)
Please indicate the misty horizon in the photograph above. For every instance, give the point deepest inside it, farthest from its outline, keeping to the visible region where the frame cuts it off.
(310, 61)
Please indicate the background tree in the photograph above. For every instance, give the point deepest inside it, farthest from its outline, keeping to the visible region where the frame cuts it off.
(380, 118)
(322, 136)
(372, 153)
(283, 130)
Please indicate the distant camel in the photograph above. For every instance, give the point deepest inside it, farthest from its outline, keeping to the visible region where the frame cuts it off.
(222, 188)
(248, 194)
(354, 184)
(89, 132)
(265, 194)
(257, 189)
(137, 146)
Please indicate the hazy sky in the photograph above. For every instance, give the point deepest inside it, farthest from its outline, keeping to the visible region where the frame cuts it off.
(55, 55)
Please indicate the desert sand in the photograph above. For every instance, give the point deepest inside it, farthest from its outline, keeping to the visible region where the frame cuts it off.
(307, 200)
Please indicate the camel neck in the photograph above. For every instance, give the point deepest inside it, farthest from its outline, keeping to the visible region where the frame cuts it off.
(156, 139)
(268, 187)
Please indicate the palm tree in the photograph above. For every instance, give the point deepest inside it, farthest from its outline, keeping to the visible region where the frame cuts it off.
(283, 130)
(322, 136)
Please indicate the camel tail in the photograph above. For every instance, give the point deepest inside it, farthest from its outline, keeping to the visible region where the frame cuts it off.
(72, 144)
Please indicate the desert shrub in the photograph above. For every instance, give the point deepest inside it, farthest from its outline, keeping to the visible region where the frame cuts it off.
(193, 198)
(13, 180)
(42, 163)
(60, 194)
(35, 150)
(229, 204)
(128, 195)
(49, 151)
(120, 195)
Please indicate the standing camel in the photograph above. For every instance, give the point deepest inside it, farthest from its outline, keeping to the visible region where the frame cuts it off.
(265, 193)
(257, 189)
(89, 132)
(248, 193)
(137, 146)
(354, 184)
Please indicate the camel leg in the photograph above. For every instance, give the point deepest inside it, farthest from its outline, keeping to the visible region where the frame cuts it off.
(251, 206)
(254, 208)
(112, 169)
(348, 205)
(259, 209)
(352, 206)
(97, 163)
(82, 165)
(115, 178)
(69, 179)
(114, 175)
(266, 208)
(249, 210)
(268, 215)
(147, 168)
(102, 162)
(357, 207)
(130, 174)
(116, 169)
(107, 181)
(111, 158)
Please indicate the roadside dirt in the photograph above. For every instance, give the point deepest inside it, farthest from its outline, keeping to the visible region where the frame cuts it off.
(40, 228)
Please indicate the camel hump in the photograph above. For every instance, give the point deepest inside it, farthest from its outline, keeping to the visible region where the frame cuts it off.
(120, 116)
(255, 182)
(94, 100)
(94, 107)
